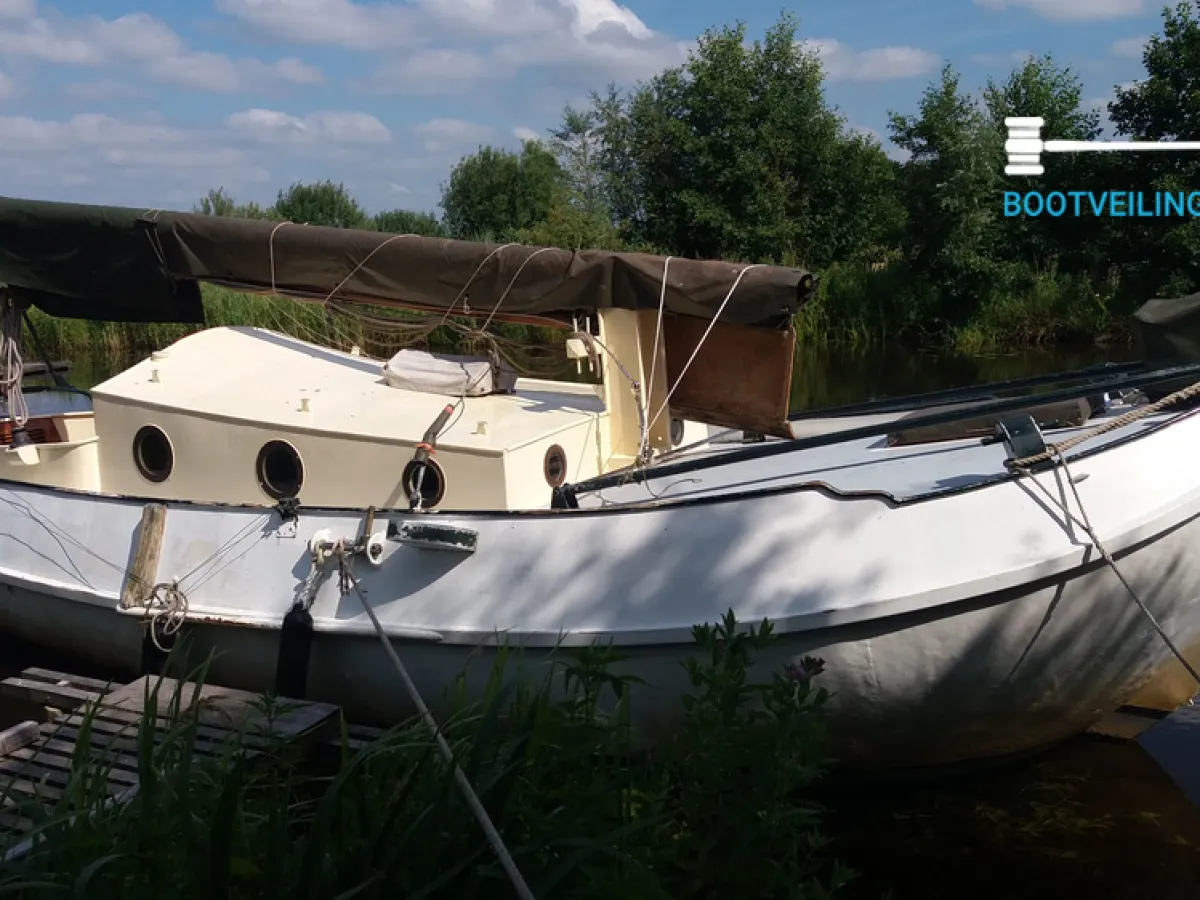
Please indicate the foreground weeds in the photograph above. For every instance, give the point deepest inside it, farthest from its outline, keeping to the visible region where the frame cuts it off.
(717, 810)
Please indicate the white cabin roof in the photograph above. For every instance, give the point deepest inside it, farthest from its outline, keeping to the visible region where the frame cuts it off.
(258, 376)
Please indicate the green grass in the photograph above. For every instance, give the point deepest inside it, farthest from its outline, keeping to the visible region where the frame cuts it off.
(717, 810)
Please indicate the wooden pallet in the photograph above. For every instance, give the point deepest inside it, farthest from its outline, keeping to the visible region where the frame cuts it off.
(39, 759)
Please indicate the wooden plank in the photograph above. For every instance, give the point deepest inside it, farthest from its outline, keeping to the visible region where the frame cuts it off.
(40, 770)
(223, 707)
(99, 685)
(357, 737)
(17, 736)
(41, 693)
(143, 572)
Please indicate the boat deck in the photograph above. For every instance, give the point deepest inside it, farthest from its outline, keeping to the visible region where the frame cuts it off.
(867, 466)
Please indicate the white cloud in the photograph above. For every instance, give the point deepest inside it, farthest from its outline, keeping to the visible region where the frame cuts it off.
(1072, 10)
(141, 161)
(844, 63)
(102, 89)
(17, 9)
(430, 72)
(578, 38)
(141, 41)
(333, 127)
(522, 133)
(8, 87)
(442, 135)
(1131, 47)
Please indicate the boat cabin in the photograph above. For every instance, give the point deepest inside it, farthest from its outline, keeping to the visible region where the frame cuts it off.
(248, 416)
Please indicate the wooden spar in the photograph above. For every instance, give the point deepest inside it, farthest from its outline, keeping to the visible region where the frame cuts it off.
(143, 570)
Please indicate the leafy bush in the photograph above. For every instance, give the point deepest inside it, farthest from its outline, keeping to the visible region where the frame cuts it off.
(717, 810)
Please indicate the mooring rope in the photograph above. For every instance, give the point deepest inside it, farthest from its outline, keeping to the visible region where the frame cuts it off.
(473, 801)
(1056, 453)
(12, 365)
(1056, 450)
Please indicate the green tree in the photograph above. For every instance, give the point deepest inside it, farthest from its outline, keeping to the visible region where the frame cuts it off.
(737, 155)
(219, 203)
(951, 185)
(494, 193)
(576, 144)
(1157, 255)
(1040, 87)
(321, 203)
(407, 221)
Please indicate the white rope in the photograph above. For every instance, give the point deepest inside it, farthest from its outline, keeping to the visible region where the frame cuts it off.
(167, 604)
(12, 365)
(481, 815)
(666, 402)
(644, 450)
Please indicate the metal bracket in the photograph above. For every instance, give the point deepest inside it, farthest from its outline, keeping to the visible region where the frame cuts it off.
(289, 512)
(1020, 435)
(430, 536)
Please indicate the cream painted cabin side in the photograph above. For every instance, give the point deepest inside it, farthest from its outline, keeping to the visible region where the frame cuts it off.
(248, 416)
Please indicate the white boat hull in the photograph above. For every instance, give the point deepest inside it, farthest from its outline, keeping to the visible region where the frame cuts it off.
(973, 624)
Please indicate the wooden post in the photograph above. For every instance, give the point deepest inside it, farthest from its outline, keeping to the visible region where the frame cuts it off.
(18, 736)
(143, 570)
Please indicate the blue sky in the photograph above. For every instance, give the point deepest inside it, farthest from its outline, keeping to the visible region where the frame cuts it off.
(150, 104)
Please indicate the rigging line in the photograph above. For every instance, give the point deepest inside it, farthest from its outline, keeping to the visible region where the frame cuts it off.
(363, 262)
(700, 343)
(271, 253)
(471, 280)
(1086, 526)
(508, 289)
(476, 805)
(12, 365)
(232, 542)
(649, 389)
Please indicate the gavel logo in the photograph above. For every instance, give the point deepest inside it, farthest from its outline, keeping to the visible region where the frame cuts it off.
(1025, 145)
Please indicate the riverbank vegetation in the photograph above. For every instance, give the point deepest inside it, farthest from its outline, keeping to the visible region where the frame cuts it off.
(722, 809)
(737, 154)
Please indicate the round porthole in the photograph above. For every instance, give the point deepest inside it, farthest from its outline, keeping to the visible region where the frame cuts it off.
(153, 454)
(433, 482)
(676, 432)
(280, 471)
(554, 466)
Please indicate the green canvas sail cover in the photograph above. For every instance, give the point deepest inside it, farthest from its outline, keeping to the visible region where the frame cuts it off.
(142, 265)
(1168, 331)
(1168, 334)
(90, 262)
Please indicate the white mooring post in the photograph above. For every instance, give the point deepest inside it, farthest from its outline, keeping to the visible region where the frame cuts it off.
(1025, 145)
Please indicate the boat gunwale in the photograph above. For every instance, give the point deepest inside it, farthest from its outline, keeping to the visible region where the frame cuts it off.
(642, 506)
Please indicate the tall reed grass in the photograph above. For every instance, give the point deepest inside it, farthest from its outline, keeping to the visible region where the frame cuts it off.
(861, 304)
(717, 810)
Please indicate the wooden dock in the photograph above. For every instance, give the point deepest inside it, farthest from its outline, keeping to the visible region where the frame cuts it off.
(37, 755)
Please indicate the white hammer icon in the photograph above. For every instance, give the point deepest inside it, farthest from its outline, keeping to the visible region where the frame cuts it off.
(1025, 145)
